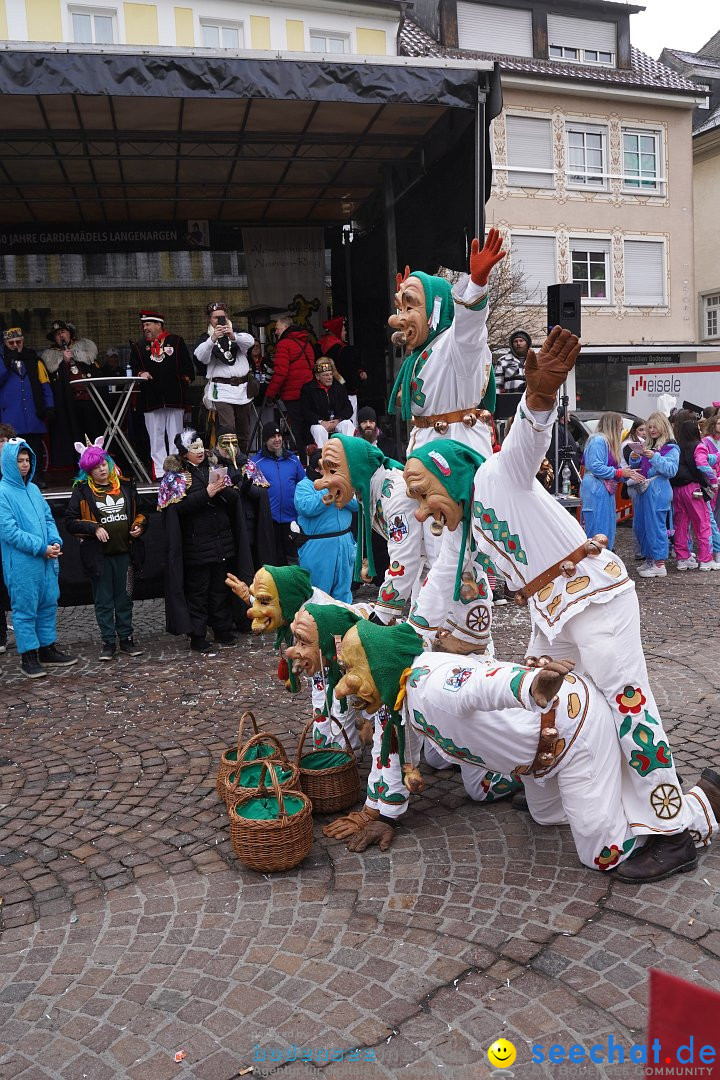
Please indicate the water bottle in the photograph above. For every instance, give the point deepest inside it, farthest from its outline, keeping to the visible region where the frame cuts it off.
(128, 370)
(565, 476)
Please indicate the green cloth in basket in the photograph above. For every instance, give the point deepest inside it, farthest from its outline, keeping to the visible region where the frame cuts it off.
(324, 759)
(250, 775)
(259, 750)
(265, 808)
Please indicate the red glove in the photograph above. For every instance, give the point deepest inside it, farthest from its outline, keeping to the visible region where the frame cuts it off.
(482, 262)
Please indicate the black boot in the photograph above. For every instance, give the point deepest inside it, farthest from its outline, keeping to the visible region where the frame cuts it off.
(51, 656)
(201, 645)
(30, 666)
(659, 858)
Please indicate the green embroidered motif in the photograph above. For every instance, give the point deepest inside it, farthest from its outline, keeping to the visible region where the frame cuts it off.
(380, 519)
(500, 531)
(609, 856)
(416, 385)
(390, 596)
(517, 680)
(651, 755)
(418, 619)
(379, 793)
(416, 675)
(496, 786)
(321, 742)
(445, 744)
(386, 489)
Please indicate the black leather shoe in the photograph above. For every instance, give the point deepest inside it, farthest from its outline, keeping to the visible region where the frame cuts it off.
(202, 646)
(30, 667)
(51, 656)
(519, 801)
(709, 784)
(659, 858)
(128, 646)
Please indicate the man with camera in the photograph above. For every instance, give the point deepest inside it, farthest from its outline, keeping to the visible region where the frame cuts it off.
(231, 384)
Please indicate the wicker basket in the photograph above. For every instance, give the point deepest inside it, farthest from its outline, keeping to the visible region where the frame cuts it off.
(245, 775)
(229, 759)
(333, 784)
(279, 840)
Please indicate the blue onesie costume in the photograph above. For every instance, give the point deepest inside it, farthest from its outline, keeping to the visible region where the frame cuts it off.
(328, 561)
(26, 529)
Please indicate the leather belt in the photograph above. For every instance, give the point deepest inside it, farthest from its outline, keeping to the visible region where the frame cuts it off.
(549, 745)
(234, 380)
(564, 567)
(442, 421)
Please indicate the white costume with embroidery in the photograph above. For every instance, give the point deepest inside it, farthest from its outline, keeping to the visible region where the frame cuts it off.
(482, 715)
(591, 618)
(453, 371)
(393, 516)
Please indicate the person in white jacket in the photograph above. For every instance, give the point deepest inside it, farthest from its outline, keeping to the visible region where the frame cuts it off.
(224, 354)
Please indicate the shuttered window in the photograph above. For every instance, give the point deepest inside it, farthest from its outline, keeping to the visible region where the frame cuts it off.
(587, 41)
(590, 267)
(645, 272)
(529, 147)
(535, 256)
(494, 29)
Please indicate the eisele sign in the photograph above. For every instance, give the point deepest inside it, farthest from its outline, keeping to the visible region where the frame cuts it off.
(699, 383)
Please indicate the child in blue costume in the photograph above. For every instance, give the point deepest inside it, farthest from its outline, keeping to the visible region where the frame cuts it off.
(330, 558)
(653, 505)
(30, 545)
(604, 469)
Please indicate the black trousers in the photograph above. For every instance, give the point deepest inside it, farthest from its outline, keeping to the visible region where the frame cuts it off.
(208, 599)
(285, 547)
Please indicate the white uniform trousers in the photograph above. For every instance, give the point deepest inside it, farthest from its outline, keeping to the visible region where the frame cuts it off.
(162, 427)
(320, 435)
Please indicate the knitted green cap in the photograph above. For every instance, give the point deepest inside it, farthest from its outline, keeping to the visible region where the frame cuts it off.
(331, 620)
(454, 464)
(436, 289)
(389, 651)
(363, 460)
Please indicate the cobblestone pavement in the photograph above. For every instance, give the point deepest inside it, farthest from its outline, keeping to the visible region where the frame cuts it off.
(130, 933)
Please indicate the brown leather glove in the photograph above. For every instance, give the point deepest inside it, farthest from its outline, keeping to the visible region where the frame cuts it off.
(547, 371)
(377, 832)
(548, 681)
(412, 779)
(350, 824)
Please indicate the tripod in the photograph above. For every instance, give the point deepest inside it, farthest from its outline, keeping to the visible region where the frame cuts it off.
(283, 422)
(564, 458)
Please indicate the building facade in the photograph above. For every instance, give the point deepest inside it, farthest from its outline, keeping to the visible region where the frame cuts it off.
(360, 27)
(593, 175)
(703, 68)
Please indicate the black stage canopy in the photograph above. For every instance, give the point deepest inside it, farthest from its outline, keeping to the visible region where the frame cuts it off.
(93, 138)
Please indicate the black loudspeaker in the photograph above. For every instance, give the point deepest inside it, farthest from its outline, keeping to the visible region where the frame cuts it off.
(563, 307)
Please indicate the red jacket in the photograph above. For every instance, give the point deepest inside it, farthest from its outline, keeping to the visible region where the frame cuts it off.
(293, 365)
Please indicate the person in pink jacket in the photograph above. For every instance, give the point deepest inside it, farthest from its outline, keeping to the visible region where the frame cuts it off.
(691, 491)
(711, 443)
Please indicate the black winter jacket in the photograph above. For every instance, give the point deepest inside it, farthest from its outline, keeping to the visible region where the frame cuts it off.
(318, 404)
(207, 535)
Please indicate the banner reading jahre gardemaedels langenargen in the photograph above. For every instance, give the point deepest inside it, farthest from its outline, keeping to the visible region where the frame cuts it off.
(121, 236)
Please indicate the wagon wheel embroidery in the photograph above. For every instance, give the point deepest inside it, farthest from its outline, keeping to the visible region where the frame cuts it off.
(478, 618)
(666, 801)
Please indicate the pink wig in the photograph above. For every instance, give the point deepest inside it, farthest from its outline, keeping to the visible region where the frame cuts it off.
(93, 456)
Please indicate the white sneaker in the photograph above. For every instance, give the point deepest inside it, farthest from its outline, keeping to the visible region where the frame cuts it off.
(653, 571)
(686, 564)
(706, 566)
(716, 558)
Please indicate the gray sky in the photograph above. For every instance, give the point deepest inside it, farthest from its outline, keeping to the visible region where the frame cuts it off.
(679, 24)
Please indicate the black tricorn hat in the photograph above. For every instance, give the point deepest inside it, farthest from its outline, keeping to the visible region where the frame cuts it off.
(60, 325)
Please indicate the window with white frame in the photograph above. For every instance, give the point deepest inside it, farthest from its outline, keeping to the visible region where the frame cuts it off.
(93, 26)
(645, 273)
(586, 155)
(641, 160)
(221, 35)
(582, 41)
(711, 305)
(590, 259)
(529, 147)
(323, 42)
(535, 257)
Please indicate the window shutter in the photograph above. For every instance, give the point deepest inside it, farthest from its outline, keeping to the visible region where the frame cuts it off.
(494, 29)
(536, 256)
(644, 272)
(582, 33)
(529, 144)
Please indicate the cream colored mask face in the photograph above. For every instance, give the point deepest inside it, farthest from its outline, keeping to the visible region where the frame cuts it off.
(410, 321)
(334, 477)
(357, 683)
(434, 500)
(265, 610)
(304, 653)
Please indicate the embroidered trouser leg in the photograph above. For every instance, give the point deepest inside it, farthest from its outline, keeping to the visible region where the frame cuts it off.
(604, 641)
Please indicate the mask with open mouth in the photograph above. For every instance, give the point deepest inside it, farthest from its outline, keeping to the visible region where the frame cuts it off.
(334, 477)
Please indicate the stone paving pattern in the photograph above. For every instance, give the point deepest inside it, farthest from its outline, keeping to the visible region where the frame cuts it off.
(129, 932)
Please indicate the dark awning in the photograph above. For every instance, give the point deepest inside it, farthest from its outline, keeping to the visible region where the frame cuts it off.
(94, 137)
